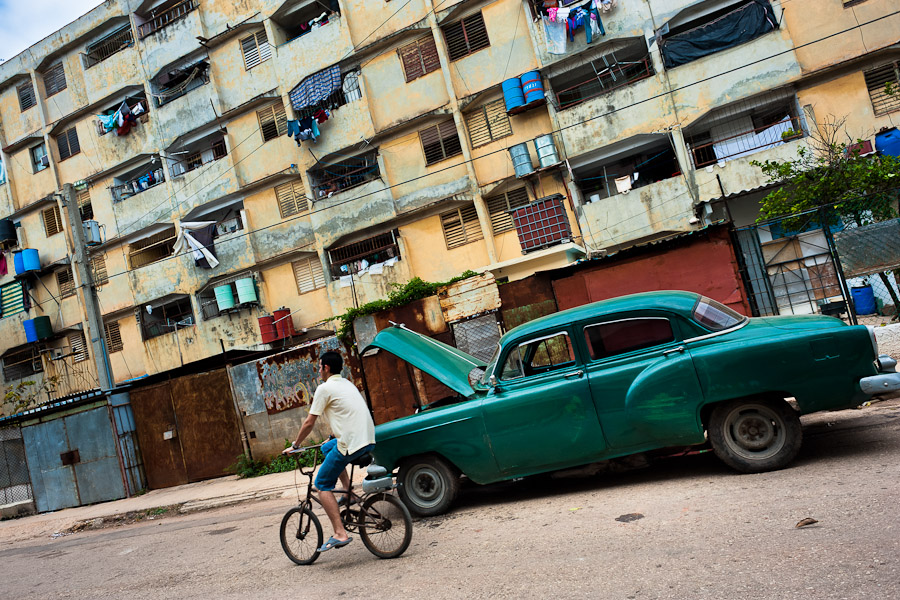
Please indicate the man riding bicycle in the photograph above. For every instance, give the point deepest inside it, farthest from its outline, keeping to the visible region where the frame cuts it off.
(342, 406)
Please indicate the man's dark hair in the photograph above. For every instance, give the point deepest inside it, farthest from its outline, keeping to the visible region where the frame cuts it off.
(333, 361)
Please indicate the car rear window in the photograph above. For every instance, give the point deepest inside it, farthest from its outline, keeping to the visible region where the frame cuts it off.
(714, 315)
(627, 335)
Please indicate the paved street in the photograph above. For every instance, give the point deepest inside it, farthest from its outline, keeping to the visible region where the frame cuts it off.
(696, 531)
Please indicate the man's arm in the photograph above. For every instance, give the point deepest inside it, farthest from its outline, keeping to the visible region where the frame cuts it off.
(305, 429)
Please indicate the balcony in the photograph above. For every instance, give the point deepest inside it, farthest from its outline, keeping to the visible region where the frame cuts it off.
(729, 145)
(202, 169)
(164, 36)
(136, 182)
(597, 82)
(305, 42)
(102, 49)
(162, 16)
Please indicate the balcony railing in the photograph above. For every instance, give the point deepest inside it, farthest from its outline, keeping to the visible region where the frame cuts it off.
(198, 158)
(166, 18)
(611, 78)
(106, 47)
(151, 178)
(746, 142)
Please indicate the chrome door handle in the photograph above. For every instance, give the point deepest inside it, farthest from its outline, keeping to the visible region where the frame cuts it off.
(679, 349)
(575, 374)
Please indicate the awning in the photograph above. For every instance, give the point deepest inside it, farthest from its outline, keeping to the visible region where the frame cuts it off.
(316, 87)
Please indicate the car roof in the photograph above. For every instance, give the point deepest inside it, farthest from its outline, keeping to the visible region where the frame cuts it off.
(671, 300)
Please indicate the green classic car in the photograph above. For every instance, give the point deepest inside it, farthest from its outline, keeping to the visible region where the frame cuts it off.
(622, 376)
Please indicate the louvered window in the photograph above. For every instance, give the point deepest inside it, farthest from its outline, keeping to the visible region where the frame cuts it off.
(498, 206)
(98, 270)
(461, 226)
(113, 337)
(256, 49)
(26, 96)
(21, 363)
(151, 249)
(272, 121)
(466, 36)
(419, 58)
(78, 347)
(65, 282)
(54, 79)
(68, 144)
(488, 123)
(12, 299)
(880, 81)
(309, 274)
(440, 142)
(52, 221)
(84, 205)
(291, 199)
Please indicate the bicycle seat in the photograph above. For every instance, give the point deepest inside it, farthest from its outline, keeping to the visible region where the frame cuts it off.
(363, 461)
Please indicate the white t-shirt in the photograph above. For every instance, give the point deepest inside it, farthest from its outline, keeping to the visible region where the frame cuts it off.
(341, 404)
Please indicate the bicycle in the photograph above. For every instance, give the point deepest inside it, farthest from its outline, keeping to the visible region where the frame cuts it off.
(381, 519)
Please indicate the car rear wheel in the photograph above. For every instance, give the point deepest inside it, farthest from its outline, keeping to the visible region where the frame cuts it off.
(427, 485)
(755, 435)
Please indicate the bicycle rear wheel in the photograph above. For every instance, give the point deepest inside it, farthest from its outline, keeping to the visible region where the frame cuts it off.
(301, 535)
(386, 527)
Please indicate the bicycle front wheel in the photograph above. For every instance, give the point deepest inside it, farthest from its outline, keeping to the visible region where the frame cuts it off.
(386, 527)
(301, 535)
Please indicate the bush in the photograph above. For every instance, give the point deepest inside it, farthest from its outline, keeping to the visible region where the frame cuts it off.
(245, 466)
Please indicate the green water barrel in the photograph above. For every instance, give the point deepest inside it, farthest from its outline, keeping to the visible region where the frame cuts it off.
(246, 290)
(224, 296)
(42, 327)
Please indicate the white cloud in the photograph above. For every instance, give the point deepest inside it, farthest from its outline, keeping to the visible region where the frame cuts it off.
(25, 23)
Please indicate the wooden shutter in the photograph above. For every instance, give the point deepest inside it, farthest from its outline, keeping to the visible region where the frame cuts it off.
(488, 123)
(419, 58)
(98, 269)
(272, 121)
(291, 199)
(52, 221)
(440, 142)
(68, 144)
(65, 282)
(256, 49)
(55, 79)
(461, 226)
(877, 80)
(12, 299)
(78, 347)
(466, 36)
(84, 205)
(113, 337)
(26, 96)
(498, 206)
(309, 274)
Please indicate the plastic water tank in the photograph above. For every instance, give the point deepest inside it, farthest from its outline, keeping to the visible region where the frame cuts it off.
(26, 260)
(864, 299)
(224, 296)
(888, 142)
(246, 290)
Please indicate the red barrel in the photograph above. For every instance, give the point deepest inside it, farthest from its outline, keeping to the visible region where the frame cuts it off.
(284, 324)
(267, 329)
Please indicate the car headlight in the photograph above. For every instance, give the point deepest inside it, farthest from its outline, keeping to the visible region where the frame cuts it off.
(871, 331)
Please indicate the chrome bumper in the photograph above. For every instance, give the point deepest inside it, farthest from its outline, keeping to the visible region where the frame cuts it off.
(880, 384)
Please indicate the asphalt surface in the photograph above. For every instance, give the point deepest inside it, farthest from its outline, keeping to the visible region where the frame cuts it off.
(686, 527)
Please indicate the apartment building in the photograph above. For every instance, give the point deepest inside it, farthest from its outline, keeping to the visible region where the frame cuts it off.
(327, 149)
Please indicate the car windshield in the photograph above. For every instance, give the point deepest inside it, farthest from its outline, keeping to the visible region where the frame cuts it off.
(715, 316)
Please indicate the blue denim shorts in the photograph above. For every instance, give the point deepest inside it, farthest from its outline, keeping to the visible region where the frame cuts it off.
(334, 464)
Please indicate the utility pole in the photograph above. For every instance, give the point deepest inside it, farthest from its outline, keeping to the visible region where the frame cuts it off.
(91, 305)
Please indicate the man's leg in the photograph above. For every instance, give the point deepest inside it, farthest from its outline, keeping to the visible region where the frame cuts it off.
(329, 503)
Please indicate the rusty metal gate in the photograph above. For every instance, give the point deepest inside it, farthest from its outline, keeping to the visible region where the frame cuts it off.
(187, 428)
(15, 485)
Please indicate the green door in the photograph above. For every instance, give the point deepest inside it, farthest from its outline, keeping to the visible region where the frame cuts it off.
(541, 416)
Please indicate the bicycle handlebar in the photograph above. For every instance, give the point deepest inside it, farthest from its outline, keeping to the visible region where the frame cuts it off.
(305, 448)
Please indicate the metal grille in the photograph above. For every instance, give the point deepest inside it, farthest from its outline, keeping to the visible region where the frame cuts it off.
(499, 207)
(165, 18)
(871, 249)
(98, 269)
(15, 483)
(26, 96)
(542, 223)
(68, 143)
(419, 58)
(466, 36)
(350, 172)
(877, 81)
(21, 363)
(375, 249)
(440, 142)
(490, 122)
(54, 79)
(104, 48)
(52, 221)
(272, 121)
(478, 336)
(291, 199)
(151, 249)
(461, 226)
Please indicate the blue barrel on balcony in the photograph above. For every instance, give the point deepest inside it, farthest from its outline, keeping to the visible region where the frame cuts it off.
(37, 329)
(888, 142)
(512, 93)
(26, 260)
(532, 86)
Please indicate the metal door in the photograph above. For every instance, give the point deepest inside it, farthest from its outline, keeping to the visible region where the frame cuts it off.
(154, 418)
(53, 482)
(128, 443)
(15, 485)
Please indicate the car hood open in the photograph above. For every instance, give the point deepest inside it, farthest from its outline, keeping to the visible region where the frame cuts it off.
(445, 363)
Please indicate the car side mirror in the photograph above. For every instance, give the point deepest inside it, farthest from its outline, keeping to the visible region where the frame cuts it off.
(493, 381)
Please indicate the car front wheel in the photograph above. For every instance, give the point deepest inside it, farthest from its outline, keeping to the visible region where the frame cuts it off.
(755, 435)
(427, 485)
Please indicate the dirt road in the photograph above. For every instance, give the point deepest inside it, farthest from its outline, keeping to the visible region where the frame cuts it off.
(684, 528)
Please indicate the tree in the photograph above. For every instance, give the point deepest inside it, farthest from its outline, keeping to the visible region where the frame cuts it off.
(831, 173)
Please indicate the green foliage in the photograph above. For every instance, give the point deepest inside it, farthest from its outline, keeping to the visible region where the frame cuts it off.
(26, 394)
(245, 466)
(401, 295)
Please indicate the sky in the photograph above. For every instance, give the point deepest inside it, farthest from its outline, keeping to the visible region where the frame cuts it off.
(25, 23)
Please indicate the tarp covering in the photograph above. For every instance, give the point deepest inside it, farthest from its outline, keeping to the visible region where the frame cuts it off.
(870, 249)
(736, 27)
(316, 87)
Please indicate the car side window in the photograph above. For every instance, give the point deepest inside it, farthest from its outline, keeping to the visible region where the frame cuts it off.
(627, 335)
(538, 356)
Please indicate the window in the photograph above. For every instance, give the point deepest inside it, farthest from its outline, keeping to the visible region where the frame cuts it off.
(78, 347)
(12, 299)
(291, 199)
(162, 15)
(879, 81)
(350, 172)
(26, 96)
(538, 356)
(627, 335)
(65, 282)
(21, 363)
(54, 79)
(113, 337)
(166, 318)
(498, 207)
(170, 85)
(715, 316)
(378, 249)
(151, 249)
(309, 274)
(68, 144)
(466, 36)
(488, 123)
(52, 221)
(461, 227)
(256, 49)
(84, 205)
(105, 47)
(39, 158)
(98, 270)
(272, 121)
(240, 298)
(419, 58)
(440, 142)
